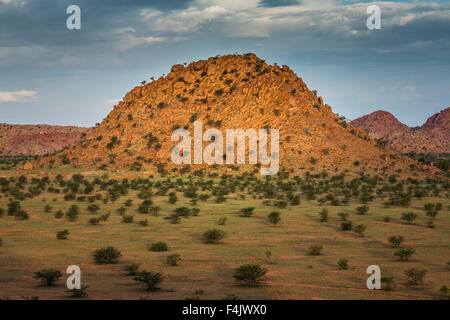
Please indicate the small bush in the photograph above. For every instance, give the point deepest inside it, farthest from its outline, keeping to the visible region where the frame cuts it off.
(409, 217)
(274, 217)
(59, 214)
(250, 274)
(21, 215)
(78, 293)
(396, 241)
(48, 276)
(346, 226)
(362, 210)
(444, 292)
(94, 221)
(247, 212)
(415, 276)
(388, 284)
(404, 254)
(359, 229)
(173, 259)
(158, 246)
(47, 209)
(62, 235)
(343, 264)
(73, 212)
(324, 215)
(108, 255)
(143, 223)
(343, 216)
(132, 269)
(104, 217)
(127, 219)
(213, 236)
(151, 279)
(222, 221)
(315, 250)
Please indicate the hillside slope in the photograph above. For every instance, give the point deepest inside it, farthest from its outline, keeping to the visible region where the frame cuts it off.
(432, 137)
(227, 92)
(32, 140)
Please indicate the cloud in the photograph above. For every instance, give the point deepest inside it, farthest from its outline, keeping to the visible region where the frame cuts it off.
(18, 96)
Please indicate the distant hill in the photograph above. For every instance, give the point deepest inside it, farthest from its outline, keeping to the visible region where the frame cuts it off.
(31, 140)
(432, 137)
(228, 92)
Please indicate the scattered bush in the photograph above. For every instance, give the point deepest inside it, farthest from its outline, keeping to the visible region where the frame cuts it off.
(213, 236)
(78, 293)
(343, 264)
(396, 241)
(108, 255)
(73, 212)
(151, 279)
(359, 229)
(409, 217)
(250, 274)
(324, 215)
(415, 276)
(315, 250)
(362, 210)
(404, 254)
(132, 269)
(222, 221)
(127, 219)
(94, 221)
(247, 212)
(158, 246)
(343, 216)
(62, 235)
(173, 259)
(274, 217)
(388, 284)
(48, 276)
(346, 226)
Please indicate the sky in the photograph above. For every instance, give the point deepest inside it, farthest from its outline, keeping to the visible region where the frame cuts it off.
(49, 74)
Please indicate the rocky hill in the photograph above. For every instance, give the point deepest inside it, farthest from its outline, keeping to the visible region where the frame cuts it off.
(32, 140)
(228, 92)
(432, 137)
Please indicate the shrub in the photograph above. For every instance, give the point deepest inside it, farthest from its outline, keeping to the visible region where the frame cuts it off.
(132, 269)
(2, 212)
(94, 221)
(274, 217)
(346, 226)
(173, 259)
(213, 236)
(104, 217)
(359, 229)
(404, 254)
(343, 264)
(387, 219)
(444, 292)
(78, 293)
(62, 235)
(388, 284)
(108, 255)
(151, 279)
(47, 209)
(250, 274)
(324, 215)
(174, 218)
(343, 216)
(73, 212)
(396, 241)
(315, 250)
(247, 212)
(362, 210)
(143, 223)
(21, 215)
(93, 208)
(48, 276)
(127, 219)
(59, 214)
(409, 217)
(222, 221)
(415, 276)
(158, 246)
